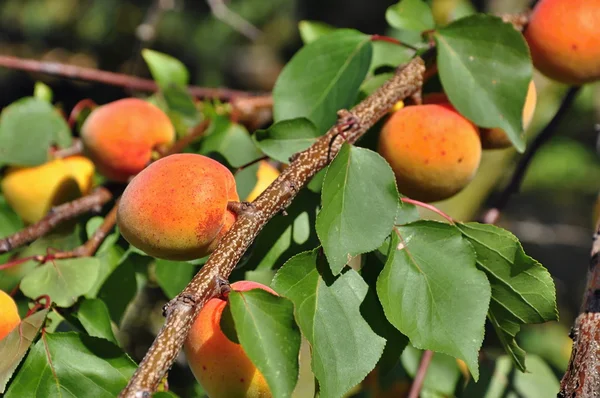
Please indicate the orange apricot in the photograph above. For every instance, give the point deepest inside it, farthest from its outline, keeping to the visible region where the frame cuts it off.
(220, 365)
(9, 318)
(33, 191)
(432, 149)
(176, 208)
(564, 39)
(120, 136)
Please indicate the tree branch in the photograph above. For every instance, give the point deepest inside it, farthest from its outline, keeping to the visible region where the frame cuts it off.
(182, 310)
(491, 215)
(110, 78)
(93, 201)
(235, 21)
(582, 378)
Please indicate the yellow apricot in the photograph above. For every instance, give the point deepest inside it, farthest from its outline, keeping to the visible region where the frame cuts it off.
(33, 191)
(432, 149)
(564, 39)
(176, 208)
(9, 314)
(120, 136)
(266, 174)
(220, 365)
(496, 138)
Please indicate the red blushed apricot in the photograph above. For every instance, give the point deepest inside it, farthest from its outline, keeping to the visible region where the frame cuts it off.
(220, 365)
(120, 136)
(432, 149)
(176, 208)
(564, 39)
(9, 314)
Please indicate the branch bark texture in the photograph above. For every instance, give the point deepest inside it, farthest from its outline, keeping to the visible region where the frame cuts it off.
(182, 310)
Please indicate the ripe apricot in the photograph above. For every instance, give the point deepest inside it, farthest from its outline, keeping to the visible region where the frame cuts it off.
(564, 39)
(176, 208)
(33, 191)
(496, 138)
(432, 149)
(10, 314)
(120, 136)
(266, 174)
(220, 365)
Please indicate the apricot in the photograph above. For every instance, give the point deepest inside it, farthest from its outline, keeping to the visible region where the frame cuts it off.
(220, 365)
(266, 174)
(176, 208)
(120, 136)
(496, 138)
(564, 39)
(33, 191)
(432, 149)
(10, 314)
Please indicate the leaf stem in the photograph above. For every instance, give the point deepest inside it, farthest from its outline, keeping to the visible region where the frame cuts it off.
(428, 207)
(417, 384)
(393, 41)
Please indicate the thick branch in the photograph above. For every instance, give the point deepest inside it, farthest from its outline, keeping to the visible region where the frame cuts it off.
(492, 215)
(111, 78)
(58, 214)
(582, 378)
(182, 310)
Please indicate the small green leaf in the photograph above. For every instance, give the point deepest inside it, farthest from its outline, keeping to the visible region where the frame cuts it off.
(344, 347)
(43, 92)
(173, 276)
(485, 68)
(180, 105)
(233, 142)
(63, 280)
(246, 179)
(10, 223)
(285, 138)
(322, 78)
(360, 201)
(442, 374)
(14, 346)
(93, 315)
(522, 289)
(269, 335)
(313, 30)
(68, 364)
(432, 291)
(389, 54)
(412, 15)
(28, 128)
(165, 69)
(119, 288)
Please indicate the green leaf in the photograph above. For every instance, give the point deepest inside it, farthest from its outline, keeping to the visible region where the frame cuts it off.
(485, 69)
(119, 288)
(432, 291)
(14, 346)
(28, 128)
(412, 15)
(43, 92)
(68, 364)
(180, 105)
(442, 375)
(522, 289)
(283, 139)
(173, 276)
(165, 69)
(93, 315)
(63, 280)
(233, 142)
(313, 30)
(322, 78)
(269, 335)
(246, 179)
(360, 201)
(10, 223)
(389, 54)
(344, 347)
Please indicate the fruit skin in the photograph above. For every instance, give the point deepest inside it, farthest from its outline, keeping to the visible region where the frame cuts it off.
(266, 174)
(564, 40)
(33, 191)
(432, 149)
(220, 365)
(176, 208)
(120, 136)
(10, 314)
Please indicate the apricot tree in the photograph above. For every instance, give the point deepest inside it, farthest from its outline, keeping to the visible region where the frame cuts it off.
(345, 278)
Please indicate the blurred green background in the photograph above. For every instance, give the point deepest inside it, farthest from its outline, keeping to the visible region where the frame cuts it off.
(552, 216)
